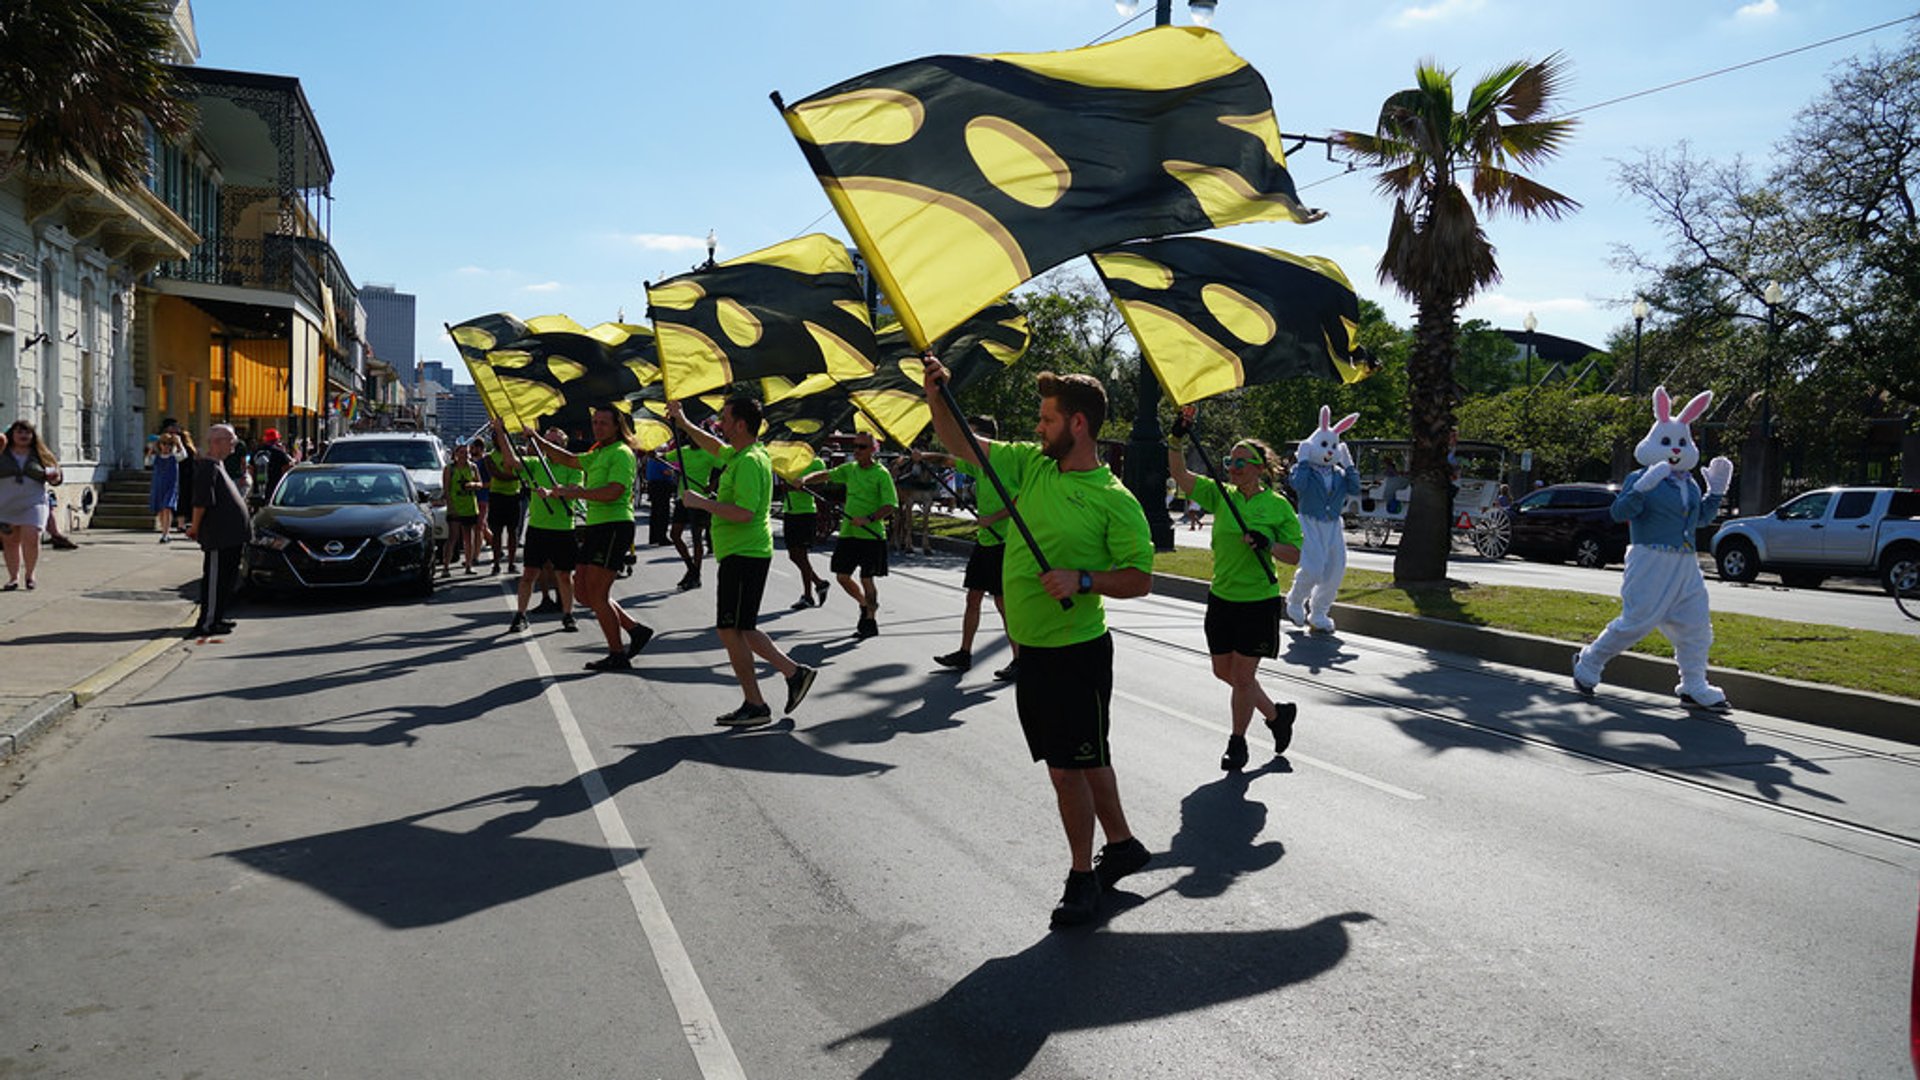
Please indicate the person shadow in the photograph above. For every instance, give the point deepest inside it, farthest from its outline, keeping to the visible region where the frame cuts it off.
(1218, 841)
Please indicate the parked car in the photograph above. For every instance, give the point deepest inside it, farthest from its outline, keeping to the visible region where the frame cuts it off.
(1864, 531)
(1568, 523)
(419, 452)
(336, 526)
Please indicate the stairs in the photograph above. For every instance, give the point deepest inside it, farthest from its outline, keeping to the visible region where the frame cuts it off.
(123, 502)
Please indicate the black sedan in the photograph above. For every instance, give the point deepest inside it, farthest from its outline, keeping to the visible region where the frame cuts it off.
(336, 526)
(1569, 522)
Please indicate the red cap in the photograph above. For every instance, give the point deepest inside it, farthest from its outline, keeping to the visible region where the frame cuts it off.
(270, 435)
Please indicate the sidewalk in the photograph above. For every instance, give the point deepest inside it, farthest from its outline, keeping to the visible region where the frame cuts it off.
(98, 613)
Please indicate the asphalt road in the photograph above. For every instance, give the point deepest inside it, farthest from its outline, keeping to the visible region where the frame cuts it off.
(361, 839)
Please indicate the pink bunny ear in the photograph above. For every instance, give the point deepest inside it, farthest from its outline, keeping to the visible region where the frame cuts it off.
(1696, 408)
(1662, 405)
(1346, 422)
(1326, 418)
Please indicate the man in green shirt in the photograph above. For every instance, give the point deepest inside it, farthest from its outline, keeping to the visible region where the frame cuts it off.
(550, 544)
(504, 503)
(798, 519)
(696, 472)
(743, 547)
(862, 542)
(1095, 536)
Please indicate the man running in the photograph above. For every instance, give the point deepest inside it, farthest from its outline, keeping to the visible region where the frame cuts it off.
(862, 541)
(982, 577)
(607, 487)
(1095, 535)
(743, 550)
(550, 541)
(798, 519)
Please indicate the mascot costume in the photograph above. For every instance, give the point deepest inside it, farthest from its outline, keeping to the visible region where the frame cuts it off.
(1322, 478)
(1662, 588)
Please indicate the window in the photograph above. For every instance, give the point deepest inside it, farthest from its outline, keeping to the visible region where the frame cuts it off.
(1854, 504)
(1904, 506)
(1809, 507)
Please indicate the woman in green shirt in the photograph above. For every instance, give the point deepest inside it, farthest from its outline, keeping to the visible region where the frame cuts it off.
(1243, 604)
(607, 538)
(460, 480)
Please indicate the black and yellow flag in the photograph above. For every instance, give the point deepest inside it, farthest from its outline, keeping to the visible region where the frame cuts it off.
(796, 425)
(962, 176)
(789, 310)
(1212, 316)
(894, 396)
(552, 370)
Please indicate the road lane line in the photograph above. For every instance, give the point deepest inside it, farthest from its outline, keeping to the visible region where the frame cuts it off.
(699, 1022)
(1291, 755)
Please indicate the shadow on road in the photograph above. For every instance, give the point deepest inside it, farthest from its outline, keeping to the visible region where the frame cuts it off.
(392, 725)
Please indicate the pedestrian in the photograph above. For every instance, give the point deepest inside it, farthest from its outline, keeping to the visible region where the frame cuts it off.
(606, 542)
(659, 500)
(505, 499)
(221, 527)
(27, 469)
(1095, 535)
(237, 464)
(270, 462)
(696, 472)
(550, 541)
(1243, 602)
(477, 456)
(862, 541)
(56, 539)
(460, 480)
(915, 482)
(741, 507)
(189, 455)
(163, 487)
(984, 562)
(799, 520)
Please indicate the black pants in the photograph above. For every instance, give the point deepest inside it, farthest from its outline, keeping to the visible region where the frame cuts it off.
(219, 579)
(659, 511)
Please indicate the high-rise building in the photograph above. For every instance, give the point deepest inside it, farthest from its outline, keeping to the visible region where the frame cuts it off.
(462, 414)
(390, 317)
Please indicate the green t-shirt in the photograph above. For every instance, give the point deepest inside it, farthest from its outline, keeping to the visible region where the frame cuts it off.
(799, 498)
(613, 463)
(697, 465)
(747, 482)
(1083, 521)
(500, 479)
(986, 502)
(461, 501)
(868, 489)
(555, 513)
(1236, 569)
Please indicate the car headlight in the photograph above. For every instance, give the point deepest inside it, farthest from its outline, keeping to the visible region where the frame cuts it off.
(410, 533)
(267, 538)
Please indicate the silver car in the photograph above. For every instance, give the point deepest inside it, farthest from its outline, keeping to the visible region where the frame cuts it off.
(418, 452)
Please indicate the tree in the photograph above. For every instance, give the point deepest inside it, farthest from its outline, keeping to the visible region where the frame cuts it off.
(1438, 164)
(86, 78)
(1073, 327)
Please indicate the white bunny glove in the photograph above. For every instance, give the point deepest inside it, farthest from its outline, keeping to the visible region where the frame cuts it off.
(1719, 476)
(1342, 457)
(1653, 477)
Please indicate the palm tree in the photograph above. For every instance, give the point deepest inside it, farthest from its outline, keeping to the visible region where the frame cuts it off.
(1438, 164)
(85, 78)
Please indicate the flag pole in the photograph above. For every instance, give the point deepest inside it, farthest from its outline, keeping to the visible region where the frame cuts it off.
(999, 486)
(1226, 496)
(493, 415)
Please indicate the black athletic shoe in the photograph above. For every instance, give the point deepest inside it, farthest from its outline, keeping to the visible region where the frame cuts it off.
(1235, 758)
(1282, 725)
(798, 684)
(568, 626)
(1691, 702)
(688, 583)
(958, 660)
(805, 602)
(637, 639)
(822, 589)
(496, 569)
(1010, 673)
(547, 603)
(1116, 861)
(612, 662)
(747, 715)
(1080, 902)
(866, 628)
(518, 624)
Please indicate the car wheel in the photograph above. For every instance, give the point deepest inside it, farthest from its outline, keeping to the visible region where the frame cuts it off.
(1589, 552)
(1738, 561)
(1900, 570)
(1802, 581)
(423, 585)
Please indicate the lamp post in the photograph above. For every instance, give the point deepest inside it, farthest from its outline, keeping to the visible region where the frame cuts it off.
(1774, 295)
(1526, 403)
(1640, 312)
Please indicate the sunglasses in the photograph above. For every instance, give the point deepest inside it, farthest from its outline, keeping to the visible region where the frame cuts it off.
(1241, 462)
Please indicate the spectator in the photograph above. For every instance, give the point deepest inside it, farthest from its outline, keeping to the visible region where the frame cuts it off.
(163, 487)
(27, 469)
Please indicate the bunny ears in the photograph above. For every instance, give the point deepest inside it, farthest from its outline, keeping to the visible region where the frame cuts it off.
(1662, 407)
(1347, 421)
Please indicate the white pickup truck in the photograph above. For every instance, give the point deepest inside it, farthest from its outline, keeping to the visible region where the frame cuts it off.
(1834, 531)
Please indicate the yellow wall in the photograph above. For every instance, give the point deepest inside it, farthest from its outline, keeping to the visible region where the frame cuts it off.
(180, 333)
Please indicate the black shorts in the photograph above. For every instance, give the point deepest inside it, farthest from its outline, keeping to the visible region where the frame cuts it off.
(684, 515)
(503, 512)
(1246, 627)
(797, 530)
(983, 568)
(743, 581)
(1062, 697)
(464, 519)
(550, 547)
(852, 553)
(605, 545)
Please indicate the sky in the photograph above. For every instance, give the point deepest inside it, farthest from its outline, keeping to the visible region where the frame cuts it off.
(550, 158)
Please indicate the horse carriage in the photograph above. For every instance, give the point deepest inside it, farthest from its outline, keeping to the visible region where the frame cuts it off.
(1380, 510)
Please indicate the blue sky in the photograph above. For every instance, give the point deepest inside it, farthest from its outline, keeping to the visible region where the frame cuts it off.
(495, 155)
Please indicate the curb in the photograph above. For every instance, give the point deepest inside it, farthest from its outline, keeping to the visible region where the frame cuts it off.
(51, 709)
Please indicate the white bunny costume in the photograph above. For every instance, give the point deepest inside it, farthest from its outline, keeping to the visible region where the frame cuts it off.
(1322, 478)
(1662, 588)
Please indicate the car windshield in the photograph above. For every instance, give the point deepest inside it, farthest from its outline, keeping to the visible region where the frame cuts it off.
(406, 453)
(370, 488)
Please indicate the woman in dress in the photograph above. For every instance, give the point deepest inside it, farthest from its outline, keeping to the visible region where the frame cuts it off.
(163, 488)
(27, 467)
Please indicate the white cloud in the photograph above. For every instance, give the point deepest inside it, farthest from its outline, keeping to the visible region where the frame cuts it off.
(1503, 310)
(1759, 9)
(543, 287)
(664, 242)
(1442, 11)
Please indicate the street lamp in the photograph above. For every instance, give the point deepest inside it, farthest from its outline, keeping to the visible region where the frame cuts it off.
(1773, 296)
(1640, 312)
(1526, 403)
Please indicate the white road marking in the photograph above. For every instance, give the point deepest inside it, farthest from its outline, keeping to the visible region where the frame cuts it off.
(698, 1020)
(1292, 755)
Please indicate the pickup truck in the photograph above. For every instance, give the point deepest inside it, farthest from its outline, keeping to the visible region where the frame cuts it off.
(1835, 531)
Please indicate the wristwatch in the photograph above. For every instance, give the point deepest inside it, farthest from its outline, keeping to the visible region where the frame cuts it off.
(1086, 581)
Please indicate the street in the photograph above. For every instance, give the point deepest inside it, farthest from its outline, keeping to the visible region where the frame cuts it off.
(363, 837)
